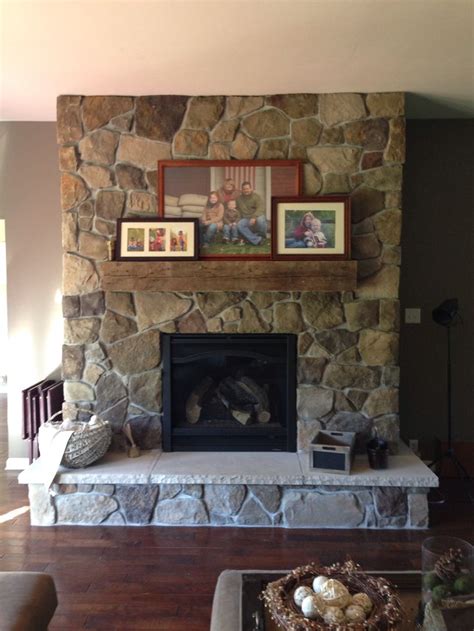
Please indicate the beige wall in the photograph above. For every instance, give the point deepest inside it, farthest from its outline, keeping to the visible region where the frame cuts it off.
(3, 307)
(29, 203)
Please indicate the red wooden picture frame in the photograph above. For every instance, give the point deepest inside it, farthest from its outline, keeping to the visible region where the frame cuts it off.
(184, 188)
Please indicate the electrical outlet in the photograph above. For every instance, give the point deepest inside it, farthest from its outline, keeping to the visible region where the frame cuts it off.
(413, 315)
(413, 444)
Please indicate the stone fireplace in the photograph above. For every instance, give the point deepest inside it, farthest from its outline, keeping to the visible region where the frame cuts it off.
(347, 366)
(347, 373)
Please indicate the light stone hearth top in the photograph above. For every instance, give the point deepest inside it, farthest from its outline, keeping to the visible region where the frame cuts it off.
(228, 468)
(113, 468)
(156, 467)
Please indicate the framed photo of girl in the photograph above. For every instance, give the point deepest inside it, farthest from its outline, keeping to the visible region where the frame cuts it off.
(157, 240)
(230, 199)
(311, 228)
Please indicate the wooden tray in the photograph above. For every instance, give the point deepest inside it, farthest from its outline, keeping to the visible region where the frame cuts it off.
(255, 616)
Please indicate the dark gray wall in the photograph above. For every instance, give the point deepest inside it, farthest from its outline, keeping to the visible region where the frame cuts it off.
(438, 263)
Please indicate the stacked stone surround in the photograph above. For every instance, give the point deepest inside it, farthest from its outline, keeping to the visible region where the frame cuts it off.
(348, 372)
(229, 505)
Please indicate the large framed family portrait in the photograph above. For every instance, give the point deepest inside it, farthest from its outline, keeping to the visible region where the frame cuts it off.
(230, 199)
(311, 228)
(159, 239)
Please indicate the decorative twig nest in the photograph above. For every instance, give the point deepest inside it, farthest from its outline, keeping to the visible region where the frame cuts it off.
(385, 611)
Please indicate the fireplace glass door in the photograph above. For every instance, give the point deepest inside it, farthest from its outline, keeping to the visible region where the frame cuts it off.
(229, 392)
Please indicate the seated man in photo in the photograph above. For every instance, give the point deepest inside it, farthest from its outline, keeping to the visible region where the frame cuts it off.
(253, 223)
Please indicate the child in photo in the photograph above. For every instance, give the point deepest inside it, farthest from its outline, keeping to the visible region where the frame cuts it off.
(157, 240)
(314, 237)
(231, 219)
(211, 221)
(182, 241)
(296, 238)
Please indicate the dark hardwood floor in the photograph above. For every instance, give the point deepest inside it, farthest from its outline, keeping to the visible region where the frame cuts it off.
(164, 578)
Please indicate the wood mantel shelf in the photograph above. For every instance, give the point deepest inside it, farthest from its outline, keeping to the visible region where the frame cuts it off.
(229, 276)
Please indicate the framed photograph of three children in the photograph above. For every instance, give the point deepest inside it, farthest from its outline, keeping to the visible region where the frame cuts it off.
(239, 206)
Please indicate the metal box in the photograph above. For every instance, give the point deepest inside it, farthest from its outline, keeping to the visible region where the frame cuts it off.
(332, 451)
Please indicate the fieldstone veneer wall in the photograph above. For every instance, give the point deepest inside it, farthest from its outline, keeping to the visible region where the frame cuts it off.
(229, 505)
(348, 372)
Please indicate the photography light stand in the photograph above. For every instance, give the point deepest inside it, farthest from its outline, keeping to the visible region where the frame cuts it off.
(447, 315)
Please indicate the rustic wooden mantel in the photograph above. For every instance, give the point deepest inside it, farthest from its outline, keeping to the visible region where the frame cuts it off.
(229, 276)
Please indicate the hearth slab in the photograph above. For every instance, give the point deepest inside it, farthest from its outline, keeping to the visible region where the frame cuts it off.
(155, 467)
(113, 468)
(227, 468)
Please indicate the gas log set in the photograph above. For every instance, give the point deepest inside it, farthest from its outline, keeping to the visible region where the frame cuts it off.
(238, 398)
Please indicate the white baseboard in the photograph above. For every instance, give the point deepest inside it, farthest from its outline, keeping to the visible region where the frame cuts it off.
(16, 464)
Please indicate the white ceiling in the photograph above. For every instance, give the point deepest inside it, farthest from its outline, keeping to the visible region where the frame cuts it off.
(423, 47)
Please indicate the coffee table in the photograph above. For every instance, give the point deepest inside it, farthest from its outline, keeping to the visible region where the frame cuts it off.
(237, 606)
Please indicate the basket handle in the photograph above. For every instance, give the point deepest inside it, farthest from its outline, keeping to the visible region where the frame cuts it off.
(53, 416)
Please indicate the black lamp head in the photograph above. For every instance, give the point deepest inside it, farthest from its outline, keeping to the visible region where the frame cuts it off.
(446, 313)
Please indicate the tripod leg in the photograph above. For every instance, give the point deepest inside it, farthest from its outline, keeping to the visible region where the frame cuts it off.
(435, 462)
(466, 478)
(435, 496)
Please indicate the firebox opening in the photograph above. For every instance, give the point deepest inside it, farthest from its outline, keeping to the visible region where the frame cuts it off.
(231, 392)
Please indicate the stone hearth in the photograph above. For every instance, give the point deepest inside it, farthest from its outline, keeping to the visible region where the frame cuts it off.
(233, 489)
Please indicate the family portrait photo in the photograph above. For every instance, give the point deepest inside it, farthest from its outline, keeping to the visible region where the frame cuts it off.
(165, 239)
(231, 199)
(317, 228)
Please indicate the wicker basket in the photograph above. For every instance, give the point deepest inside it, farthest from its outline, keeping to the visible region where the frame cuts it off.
(88, 443)
(386, 614)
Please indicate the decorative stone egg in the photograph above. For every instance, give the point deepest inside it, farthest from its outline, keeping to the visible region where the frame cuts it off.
(318, 583)
(362, 600)
(300, 594)
(313, 606)
(354, 613)
(334, 615)
(335, 594)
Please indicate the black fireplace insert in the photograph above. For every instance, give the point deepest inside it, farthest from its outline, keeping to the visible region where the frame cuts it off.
(234, 392)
